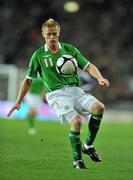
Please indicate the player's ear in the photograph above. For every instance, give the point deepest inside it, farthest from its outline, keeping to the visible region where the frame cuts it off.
(43, 34)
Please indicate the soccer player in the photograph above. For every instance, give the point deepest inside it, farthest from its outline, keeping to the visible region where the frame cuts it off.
(34, 99)
(63, 94)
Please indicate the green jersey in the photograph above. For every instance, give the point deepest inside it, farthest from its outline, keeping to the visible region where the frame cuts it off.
(44, 62)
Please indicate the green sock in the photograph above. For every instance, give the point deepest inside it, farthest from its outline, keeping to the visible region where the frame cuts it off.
(31, 119)
(76, 145)
(93, 127)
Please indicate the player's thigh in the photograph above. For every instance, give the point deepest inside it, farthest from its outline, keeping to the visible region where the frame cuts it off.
(87, 101)
(63, 106)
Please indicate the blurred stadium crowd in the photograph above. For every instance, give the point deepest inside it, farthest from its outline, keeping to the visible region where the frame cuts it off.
(102, 30)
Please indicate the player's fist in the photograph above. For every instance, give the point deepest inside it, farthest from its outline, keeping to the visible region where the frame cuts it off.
(104, 82)
(14, 107)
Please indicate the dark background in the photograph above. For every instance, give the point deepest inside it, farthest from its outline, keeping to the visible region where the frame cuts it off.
(102, 30)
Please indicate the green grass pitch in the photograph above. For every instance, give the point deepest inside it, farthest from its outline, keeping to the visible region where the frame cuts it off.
(25, 157)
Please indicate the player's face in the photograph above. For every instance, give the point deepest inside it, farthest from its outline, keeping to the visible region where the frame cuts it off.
(51, 35)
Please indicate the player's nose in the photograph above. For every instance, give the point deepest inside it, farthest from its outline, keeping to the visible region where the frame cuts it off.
(51, 36)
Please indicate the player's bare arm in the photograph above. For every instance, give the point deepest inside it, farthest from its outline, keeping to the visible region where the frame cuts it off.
(93, 71)
(22, 92)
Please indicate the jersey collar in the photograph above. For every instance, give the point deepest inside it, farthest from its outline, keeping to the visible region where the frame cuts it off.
(46, 48)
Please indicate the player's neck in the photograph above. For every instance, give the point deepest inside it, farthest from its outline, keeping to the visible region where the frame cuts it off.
(53, 49)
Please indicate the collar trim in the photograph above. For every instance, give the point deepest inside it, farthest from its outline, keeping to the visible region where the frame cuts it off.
(46, 48)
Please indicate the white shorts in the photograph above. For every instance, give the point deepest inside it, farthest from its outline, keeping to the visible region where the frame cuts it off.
(33, 100)
(70, 101)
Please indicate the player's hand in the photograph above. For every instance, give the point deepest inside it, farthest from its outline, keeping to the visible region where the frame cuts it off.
(104, 82)
(14, 107)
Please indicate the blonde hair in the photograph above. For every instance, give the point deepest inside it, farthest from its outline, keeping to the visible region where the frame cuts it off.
(50, 23)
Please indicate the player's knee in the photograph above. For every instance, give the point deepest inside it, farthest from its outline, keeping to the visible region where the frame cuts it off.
(76, 123)
(98, 108)
(101, 107)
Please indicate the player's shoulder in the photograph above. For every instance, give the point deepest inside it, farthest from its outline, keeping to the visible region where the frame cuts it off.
(40, 50)
(37, 52)
(66, 45)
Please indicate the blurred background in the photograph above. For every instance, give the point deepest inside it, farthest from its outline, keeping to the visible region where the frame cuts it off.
(101, 29)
